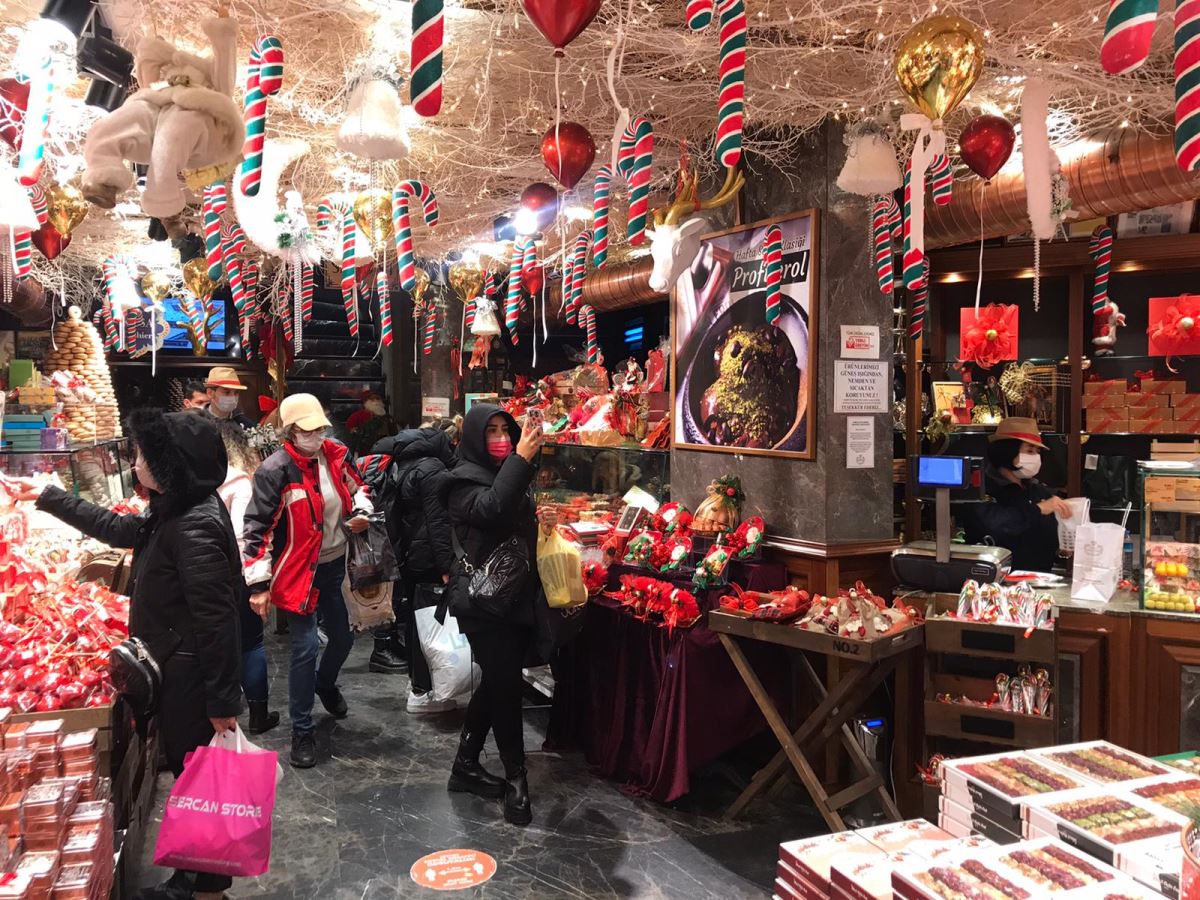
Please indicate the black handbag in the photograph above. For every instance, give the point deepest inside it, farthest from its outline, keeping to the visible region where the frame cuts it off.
(136, 676)
(491, 589)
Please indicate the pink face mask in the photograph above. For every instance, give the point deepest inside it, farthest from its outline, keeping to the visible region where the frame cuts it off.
(500, 448)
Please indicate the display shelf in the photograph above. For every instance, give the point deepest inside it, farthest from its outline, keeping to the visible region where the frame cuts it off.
(988, 725)
(101, 472)
(189, 362)
(73, 447)
(993, 641)
(624, 448)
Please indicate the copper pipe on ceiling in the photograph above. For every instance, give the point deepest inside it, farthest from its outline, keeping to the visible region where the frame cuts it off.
(1127, 171)
(621, 286)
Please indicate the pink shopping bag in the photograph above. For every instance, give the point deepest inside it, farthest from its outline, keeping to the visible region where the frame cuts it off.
(218, 817)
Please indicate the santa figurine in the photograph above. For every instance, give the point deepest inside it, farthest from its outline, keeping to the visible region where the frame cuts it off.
(183, 118)
(1104, 328)
(369, 424)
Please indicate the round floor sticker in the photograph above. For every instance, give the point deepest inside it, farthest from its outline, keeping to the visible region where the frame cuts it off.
(453, 870)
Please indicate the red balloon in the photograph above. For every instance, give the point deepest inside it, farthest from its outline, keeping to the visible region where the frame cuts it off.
(533, 278)
(561, 21)
(50, 241)
(986, 144)
(539, 196)
(14, 97)
(568, 152)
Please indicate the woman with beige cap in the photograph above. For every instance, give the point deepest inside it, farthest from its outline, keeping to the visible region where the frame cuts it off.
(1021, 517)
(224, 393)
(306, 494)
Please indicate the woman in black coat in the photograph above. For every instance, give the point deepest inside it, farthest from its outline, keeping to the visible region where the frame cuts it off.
(490, 502)
(184, 589)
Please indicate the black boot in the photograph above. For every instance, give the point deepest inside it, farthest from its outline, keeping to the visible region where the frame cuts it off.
(304, 750)
(260, 719)
(517, 809)
(334, 702)
(386, 659)
(468, 776)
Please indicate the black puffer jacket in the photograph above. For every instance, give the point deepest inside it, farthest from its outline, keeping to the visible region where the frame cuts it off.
(1013, 520)
(490, 503)
(186, 579)
(421, 459)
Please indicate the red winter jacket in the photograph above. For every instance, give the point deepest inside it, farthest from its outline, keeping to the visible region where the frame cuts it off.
(284, 522)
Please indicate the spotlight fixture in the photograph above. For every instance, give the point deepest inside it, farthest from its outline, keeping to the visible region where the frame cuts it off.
(103, 58)
(502, 229)
(71, 15)
(526, 221)
(105, 95)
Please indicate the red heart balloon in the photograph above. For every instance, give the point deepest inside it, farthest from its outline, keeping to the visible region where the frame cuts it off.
(568, 152)
(986, 144)
(533, 278)
(561, 21)
(14, 97)
(50, 241)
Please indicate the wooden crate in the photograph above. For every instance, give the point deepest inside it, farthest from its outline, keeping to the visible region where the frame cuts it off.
(993, 726)
(994, 641)
(1178, 451)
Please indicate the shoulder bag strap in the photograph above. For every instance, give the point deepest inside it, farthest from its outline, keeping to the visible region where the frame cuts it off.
(459, 552)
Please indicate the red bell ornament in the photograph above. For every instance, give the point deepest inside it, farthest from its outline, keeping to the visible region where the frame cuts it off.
(986, 144)
(568, 151)
(561, 21)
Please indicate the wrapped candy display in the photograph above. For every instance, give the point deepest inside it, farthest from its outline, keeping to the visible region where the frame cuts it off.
(1027, 693)
(657, 601)
(857, 613)
(1018, 604)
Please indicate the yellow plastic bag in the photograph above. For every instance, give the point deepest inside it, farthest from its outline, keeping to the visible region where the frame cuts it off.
(559, 567)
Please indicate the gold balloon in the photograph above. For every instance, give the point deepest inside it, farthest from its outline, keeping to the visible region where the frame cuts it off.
(373, 214)
(938, 62)
(156, 286)
(65, 207)
(419, 289)
(466, 279)
(195, 276)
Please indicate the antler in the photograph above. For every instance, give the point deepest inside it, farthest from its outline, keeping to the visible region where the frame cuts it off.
(688, 199)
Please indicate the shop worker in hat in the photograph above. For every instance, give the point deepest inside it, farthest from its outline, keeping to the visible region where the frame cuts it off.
(225, 391)
(306, 495)
(1021, 516)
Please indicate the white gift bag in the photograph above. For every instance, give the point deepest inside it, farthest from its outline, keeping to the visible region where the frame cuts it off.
(452, 671)
(1099, 550)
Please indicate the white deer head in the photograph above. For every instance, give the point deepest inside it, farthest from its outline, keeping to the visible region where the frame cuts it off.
(674, 246)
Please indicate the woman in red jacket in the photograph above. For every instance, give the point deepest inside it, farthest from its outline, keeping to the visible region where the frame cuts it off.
(306, 494)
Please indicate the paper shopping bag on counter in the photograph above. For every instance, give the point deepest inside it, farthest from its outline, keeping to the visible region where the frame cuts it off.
(218, 817)
(1098, 559)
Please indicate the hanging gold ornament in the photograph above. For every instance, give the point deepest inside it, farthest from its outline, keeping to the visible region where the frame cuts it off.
(373, 214)
(466, 279)
(65, 207)
(156, 286)
(195, 276)
(419, 289)
(938, 62)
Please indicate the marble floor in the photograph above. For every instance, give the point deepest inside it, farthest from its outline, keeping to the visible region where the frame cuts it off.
(351, 828)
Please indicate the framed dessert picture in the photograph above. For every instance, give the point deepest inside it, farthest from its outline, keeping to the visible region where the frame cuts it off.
(739, 384)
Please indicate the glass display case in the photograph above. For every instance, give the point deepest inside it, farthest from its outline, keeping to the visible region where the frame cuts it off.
(1170, 557)
(587, 483)
(100, 472)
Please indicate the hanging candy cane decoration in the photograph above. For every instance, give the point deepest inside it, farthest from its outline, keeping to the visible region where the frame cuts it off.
(882, 228)
(110, 328)
(1187, 84)
(699, 14)
(215, 202)
(349, 270)
(773, 261)
(587, 316)
(731, 111)
(307, 288)
(916, 325)
(425, 86)
(402, 225)
(943, 179)
(237, 289)
(37, 122)
(600, 216)
(430, 328)
(635, 157)
(1128, 33)
(250, 284)
(578, 274)
(512, 302)
(1100, 248)
(914, 259)
(120, 295)
(37, 198)
(264, 79)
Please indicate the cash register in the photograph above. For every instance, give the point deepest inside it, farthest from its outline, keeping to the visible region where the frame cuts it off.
(940, 565)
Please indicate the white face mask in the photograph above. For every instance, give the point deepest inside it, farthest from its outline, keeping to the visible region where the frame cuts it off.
(225, 405)
(144, 475)
(308, 444)
(1028, 465)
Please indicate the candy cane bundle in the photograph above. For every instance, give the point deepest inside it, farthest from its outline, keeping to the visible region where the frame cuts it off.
(109, 325)
(215, 202)
(885, 215)
(425, 86)
(264, 79)
(250, 283)
(1100, 248)
(402, 225)
(732, 102)
(23, 238)
(600, 216)
(773, 262)
(37, 122)
(120, 294)
(635, 156)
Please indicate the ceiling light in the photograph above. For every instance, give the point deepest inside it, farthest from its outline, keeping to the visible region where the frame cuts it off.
(105, 59)
(578, 213)
(105, 95)
(72, 17)
(526, 221)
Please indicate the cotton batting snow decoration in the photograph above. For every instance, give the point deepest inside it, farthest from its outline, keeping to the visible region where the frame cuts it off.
(16, 212)
(871, 168)
(1039, 161)
(374, 124)
(280, 231)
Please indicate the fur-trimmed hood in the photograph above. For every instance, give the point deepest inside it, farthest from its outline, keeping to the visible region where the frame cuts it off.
(185, 454)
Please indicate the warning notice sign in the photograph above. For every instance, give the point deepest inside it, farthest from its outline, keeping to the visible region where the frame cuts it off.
(453, 870)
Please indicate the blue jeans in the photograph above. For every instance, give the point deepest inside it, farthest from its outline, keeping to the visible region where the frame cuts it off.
(306, 678)
(254, 654)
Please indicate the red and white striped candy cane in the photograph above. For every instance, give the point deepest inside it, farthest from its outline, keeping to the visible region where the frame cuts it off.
(587, 316)
(37, 122)
(402, 226)
(578, 273)
(250, 282)
(264, 79)
(214, 204)
(773, 261)
(307, 287)
(600, 216)
(430, 329)
(882, 228)
(512, 302)
(943, 179)
(731, 111)
(635, 158)
(37, 198)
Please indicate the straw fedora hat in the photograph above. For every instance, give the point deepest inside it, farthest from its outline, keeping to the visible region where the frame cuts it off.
(1017, 428)
(224, 377)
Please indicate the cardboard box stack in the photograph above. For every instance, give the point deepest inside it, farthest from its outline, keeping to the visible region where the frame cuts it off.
(1153, 406)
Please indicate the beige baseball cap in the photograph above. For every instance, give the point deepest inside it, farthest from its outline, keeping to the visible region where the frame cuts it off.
(224, 377)
(304, 411)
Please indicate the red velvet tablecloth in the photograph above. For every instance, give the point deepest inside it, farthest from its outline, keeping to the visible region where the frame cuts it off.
(648, 706)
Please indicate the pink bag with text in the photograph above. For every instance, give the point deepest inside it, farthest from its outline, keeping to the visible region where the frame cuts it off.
(218, 817)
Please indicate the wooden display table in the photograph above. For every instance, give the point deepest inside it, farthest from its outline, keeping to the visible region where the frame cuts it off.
(863, 667)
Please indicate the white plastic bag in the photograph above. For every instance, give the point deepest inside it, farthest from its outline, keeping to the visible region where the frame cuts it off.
(1098, 558)
(454, 675)
(1080, 507)
(237, 741)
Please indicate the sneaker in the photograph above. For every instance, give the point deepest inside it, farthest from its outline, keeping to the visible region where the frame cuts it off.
(304, 751)
(334, 702)
(424, 704)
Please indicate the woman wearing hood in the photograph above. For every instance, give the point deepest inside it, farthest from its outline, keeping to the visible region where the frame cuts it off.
(184, 589)
(490, 502)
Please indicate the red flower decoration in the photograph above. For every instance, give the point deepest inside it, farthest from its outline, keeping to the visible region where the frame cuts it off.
(990, 338)
(1177, 333)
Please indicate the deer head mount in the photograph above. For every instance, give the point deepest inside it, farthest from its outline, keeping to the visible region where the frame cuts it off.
(674, 245)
